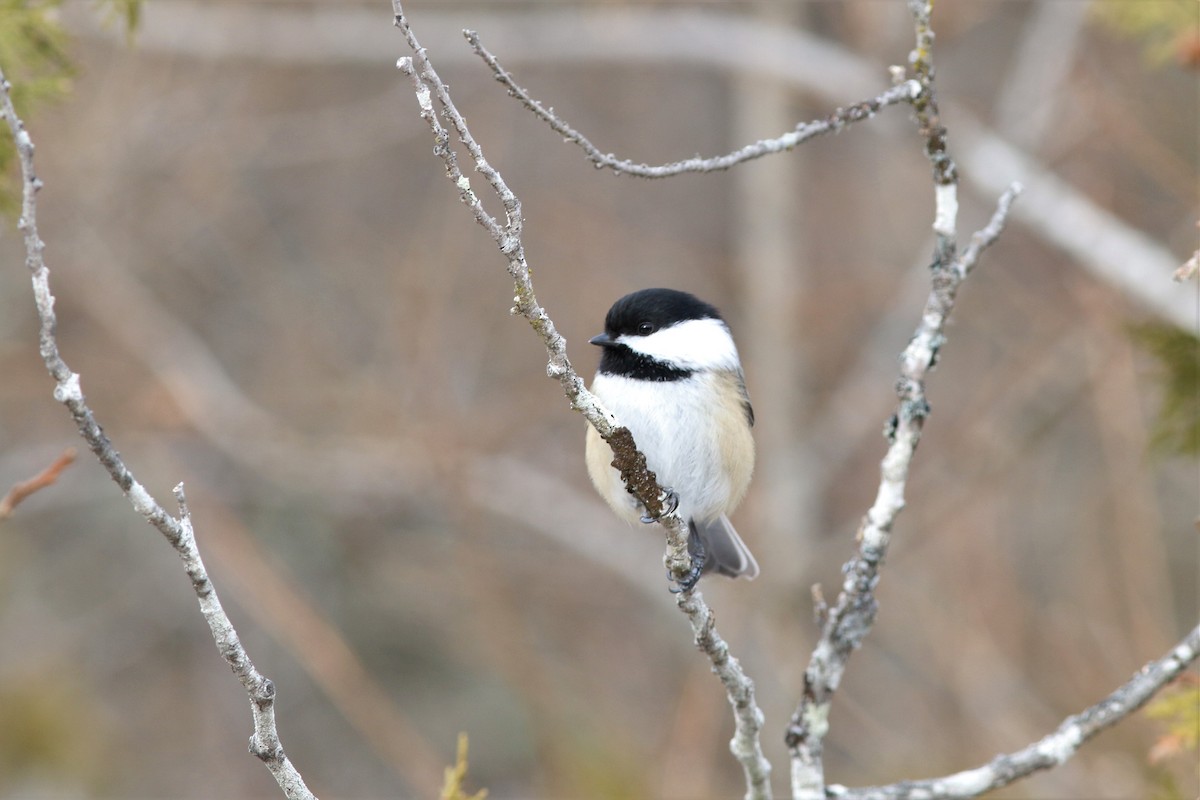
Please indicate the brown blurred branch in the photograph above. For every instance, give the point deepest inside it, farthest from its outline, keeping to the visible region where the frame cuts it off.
(631, 463)
(1049, 751)
(839, 119)
(178, 531)
(45, 478)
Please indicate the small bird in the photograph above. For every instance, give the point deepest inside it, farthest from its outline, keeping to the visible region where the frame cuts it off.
(670, 373)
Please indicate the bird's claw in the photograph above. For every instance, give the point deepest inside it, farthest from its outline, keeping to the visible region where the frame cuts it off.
(670, 502)
(687, 582)
(698, 554)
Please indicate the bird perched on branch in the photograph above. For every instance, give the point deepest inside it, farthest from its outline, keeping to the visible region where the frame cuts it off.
(670, 373)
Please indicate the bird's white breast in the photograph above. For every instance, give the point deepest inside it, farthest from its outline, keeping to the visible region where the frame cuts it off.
(693, 433)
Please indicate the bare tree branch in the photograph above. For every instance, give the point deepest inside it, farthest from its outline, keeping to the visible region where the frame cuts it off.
(840, 118)
(507, 236)
(1049, 751)
(739, 689)
(748, 718)
(849, 620)
(45, 478)
(845, 624)
(264, 743)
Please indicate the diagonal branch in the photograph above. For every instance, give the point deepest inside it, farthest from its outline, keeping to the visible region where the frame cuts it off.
(748, 718)
(178, 531)
(632, 464)
(1049, 751)
(907, 91)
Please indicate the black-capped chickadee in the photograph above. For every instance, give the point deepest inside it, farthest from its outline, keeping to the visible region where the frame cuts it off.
(670, 373)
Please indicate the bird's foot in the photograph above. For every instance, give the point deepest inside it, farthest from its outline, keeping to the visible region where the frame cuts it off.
(699, 555)
(670, 502)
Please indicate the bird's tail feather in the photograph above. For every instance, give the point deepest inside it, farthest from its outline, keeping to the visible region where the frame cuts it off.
(726, 553)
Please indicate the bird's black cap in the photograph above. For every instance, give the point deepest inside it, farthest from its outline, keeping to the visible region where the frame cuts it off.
(648, 310)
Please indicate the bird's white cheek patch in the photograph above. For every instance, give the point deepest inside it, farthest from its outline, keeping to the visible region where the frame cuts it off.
(699, 344)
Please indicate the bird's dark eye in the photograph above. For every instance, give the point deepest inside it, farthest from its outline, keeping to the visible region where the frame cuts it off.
(645, 328)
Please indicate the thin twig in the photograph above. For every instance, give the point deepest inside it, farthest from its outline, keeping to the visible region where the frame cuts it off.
(1049, 751)
(945, 173)
(840, 118)
(45, 478)
(641, 481)
(178, 532)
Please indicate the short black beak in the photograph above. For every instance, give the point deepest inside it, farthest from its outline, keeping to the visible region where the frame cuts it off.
(603, 340)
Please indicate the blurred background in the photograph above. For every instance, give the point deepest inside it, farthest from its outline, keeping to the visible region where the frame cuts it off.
(272, 294)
